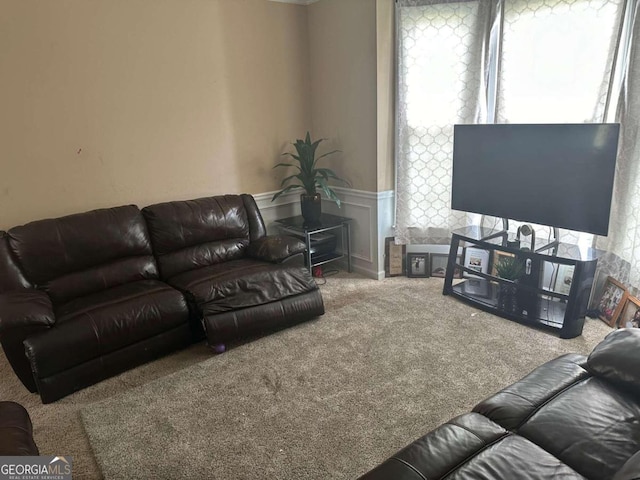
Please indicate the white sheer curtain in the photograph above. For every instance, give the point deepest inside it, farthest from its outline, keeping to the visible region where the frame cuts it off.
(441, 63)
(556, 65)
(552, 61)
(623, 241)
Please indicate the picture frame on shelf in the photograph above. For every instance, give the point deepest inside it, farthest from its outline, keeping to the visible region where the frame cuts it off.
(611, 301)
(418, 265)
(630, 314)
(438, 265)
(564, 279)
(476, 259)
(394, 258)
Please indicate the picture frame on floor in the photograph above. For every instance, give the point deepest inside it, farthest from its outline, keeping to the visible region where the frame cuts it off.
(418, 265)
(476, 259)
(630, 315)
(394, 258)
(438, 265)
(612, 300)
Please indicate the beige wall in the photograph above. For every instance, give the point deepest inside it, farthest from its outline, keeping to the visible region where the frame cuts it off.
(107, 102)
(343, 85)
(385, 54)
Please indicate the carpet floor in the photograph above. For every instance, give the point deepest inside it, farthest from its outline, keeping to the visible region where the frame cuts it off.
(331, 398)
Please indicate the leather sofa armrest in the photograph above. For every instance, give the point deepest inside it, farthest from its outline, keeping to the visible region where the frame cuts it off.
(16, 431)
(275, 248)
(515, 404)
(25, 308)
(23, 313)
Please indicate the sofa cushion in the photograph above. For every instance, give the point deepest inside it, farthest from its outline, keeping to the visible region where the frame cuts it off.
(197, 233)
(617, 357)
(514, 457)
(83, 253)
(591, 426)
(100, 323)
(241, 284)
(472, 446)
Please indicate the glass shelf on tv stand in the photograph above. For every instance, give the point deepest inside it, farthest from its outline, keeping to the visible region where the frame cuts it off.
(561, 312)
(498, 238)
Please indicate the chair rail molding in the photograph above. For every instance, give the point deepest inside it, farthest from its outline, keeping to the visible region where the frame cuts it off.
(372, 214)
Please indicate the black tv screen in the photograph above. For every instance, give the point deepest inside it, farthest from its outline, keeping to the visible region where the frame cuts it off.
(560, 175)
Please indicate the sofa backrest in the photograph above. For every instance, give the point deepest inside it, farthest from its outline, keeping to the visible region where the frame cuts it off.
(11, 276)
(616, 359)
(84, 253)
(197, 233)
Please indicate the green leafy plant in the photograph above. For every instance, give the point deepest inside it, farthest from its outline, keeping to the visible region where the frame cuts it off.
(509, 268)
(309, 176)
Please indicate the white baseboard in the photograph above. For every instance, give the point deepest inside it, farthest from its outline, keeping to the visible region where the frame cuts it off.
(372, 214)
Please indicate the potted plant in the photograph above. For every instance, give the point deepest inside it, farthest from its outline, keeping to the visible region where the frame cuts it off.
(509, 268)
(309, 178)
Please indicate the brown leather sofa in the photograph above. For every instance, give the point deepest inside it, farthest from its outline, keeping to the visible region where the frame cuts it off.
(82, 297)
(572, 418)
(16, 431)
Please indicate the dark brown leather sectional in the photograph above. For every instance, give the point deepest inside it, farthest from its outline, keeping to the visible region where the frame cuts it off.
(87, 296)
(571, 418)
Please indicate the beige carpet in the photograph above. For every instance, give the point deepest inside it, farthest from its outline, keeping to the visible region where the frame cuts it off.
(328, 399)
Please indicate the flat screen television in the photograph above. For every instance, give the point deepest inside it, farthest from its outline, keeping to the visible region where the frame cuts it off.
(560, 175)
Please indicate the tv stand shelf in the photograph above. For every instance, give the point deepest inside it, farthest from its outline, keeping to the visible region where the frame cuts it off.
(562, 312)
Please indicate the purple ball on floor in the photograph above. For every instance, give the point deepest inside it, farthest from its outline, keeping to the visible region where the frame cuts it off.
(219, 348)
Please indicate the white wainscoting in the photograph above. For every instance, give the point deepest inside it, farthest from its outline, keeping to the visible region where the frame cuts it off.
(372, 214)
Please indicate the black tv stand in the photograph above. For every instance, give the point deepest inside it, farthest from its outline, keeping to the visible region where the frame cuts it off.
(559, 310)
(504, 233)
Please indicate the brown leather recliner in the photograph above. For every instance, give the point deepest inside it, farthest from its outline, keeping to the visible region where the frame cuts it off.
(239, 281)
(16, 431)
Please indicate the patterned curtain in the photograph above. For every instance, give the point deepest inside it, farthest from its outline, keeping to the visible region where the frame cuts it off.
(552, 60)
(556, 65)
(442, 49)
(623, 242)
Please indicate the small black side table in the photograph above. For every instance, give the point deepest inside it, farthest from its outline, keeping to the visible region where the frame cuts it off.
(328, 222)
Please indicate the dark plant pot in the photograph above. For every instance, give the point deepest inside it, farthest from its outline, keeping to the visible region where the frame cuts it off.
(508, 298)
(311, 206)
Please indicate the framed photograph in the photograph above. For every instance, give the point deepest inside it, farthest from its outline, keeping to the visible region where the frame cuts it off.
(438, 265)
(394, 258)
(611, 301)
(497, 255)
(476, 259)
(564, 279)
(630, 316)
(418, 265)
